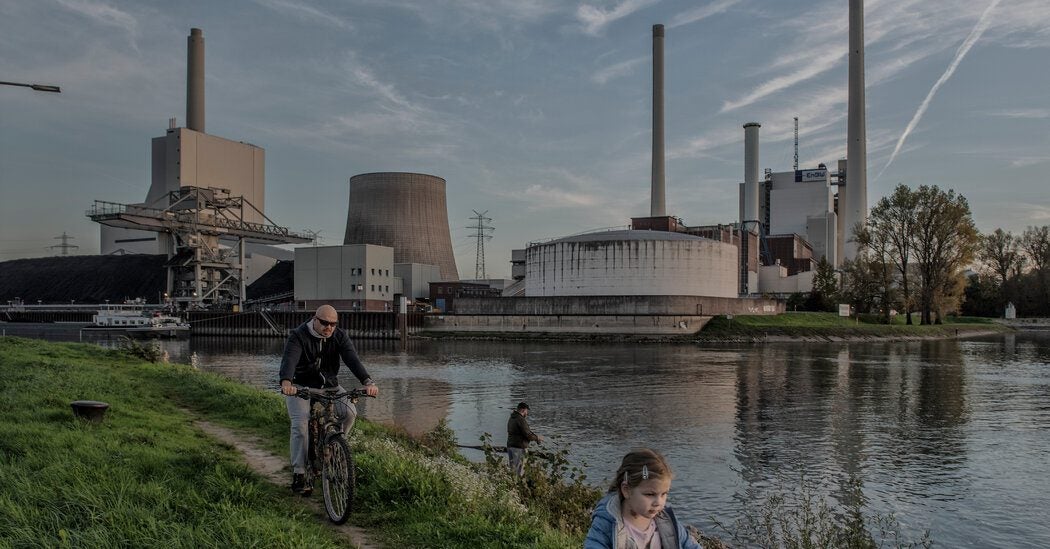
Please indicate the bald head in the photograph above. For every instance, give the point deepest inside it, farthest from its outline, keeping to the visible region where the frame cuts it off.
(325, 319)
(326, 312)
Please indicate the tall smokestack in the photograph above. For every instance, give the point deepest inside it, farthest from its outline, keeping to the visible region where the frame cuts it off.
(657, 207)
(195, 81)
(856, 210)
(750, 212)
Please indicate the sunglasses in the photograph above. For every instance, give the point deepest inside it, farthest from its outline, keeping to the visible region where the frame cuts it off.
(326, 323)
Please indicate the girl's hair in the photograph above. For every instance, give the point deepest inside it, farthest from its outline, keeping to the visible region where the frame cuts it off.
(638, 466)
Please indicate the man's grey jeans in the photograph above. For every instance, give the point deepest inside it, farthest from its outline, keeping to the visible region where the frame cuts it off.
(516, 458)
(299, 414)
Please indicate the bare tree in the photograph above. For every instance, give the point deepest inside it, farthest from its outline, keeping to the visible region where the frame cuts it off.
(1001, 252)
(1036, 244)
(870, 276)
(945, 241)
(892, 227)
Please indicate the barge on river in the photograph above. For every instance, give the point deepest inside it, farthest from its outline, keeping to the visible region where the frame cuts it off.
(133, 320)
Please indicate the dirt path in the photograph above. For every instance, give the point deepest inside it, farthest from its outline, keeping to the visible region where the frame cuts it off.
(274, 468)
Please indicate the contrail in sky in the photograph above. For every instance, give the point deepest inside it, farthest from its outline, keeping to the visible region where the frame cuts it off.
(975, 34)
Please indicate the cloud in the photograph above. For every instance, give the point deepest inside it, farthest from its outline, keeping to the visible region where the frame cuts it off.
(775, 85)
(103, 14)
(305, 12)
(1021, 113)
(702, 12)
(490, 15)
(964, 48)
(595, 19)
(623, 68)
(543, 196)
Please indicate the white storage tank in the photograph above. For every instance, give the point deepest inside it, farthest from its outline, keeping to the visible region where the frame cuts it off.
(631, 263)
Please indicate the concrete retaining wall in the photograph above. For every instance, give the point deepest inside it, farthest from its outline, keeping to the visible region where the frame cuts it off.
(568, 324)
(617, 305)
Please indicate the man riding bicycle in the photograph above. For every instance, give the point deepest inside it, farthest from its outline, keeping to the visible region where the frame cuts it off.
(311, 359)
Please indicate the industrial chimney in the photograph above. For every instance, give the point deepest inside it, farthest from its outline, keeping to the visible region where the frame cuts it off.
(856, 203)
(750, 212)
(657, 208)
(195, 81)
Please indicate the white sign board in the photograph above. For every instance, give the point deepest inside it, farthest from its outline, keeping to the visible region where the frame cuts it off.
(802, 176)
(843, 309)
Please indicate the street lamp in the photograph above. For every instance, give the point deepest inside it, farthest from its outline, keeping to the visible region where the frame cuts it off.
(37, 87)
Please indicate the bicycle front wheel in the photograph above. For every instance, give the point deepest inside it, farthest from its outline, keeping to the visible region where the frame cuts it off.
(337, 478)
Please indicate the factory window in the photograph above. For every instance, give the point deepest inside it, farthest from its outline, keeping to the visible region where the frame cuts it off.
(387, 289)
(373, 287)
(373, 271)
(388, 272)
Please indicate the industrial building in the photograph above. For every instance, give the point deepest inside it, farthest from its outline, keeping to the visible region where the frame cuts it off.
(657, 257)
(204, 208)
(404, 211)
(354, 278)
(787, 222)
(798, 216)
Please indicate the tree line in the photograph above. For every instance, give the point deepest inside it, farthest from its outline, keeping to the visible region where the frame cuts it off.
(921, 252)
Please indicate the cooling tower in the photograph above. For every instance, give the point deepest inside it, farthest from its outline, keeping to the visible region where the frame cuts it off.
(405, 211)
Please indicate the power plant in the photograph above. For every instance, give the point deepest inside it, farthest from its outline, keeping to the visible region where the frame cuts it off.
(787, 221)
(397, 231)
(204, 207)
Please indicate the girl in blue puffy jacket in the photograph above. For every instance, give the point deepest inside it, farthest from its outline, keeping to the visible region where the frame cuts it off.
(634, 514)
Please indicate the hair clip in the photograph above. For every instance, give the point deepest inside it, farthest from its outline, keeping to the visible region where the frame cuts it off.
(626, 477)
(645, 472)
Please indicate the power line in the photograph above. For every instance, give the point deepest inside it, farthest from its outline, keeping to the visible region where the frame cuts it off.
(481, 235)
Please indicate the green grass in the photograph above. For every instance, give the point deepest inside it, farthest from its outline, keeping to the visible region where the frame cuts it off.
(830, 325)
(145, 476)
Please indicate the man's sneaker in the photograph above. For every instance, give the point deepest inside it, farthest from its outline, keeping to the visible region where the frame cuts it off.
(298, 481)
(308, 487)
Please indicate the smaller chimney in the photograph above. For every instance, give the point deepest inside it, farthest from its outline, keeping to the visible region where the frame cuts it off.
(657, 205)
(195, 81)
(751, 199)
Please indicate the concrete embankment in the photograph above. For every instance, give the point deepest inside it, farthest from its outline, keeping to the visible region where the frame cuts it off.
(591, 317)
(556, 325)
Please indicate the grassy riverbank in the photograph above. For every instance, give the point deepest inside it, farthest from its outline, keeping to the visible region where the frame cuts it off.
(831, 327)
(147, 476)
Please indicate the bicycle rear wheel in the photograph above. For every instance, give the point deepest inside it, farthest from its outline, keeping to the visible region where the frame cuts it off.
(338, 480)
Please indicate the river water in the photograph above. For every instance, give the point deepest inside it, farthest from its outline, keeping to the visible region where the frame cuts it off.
(949, 436)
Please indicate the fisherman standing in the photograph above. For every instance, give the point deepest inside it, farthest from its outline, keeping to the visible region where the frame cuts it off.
(518, 437)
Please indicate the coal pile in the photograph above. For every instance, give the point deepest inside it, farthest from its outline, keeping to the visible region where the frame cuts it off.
(83, 278)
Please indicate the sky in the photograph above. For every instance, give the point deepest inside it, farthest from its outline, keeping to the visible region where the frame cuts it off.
(537, 112)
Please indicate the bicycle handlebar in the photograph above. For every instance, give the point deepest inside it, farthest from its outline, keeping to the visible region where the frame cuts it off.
(306, 392)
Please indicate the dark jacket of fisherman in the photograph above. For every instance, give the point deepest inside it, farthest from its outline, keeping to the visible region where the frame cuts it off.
(518, 432)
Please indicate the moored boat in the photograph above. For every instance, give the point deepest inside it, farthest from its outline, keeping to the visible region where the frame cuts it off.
(134, 320)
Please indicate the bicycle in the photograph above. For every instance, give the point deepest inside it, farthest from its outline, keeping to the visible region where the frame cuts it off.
(331, 459)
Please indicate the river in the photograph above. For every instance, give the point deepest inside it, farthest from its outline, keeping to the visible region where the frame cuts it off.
(949, 436)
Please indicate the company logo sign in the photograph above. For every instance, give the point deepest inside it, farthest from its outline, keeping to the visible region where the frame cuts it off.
(802, 176)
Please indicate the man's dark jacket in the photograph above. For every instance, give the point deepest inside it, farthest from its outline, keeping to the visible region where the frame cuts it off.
(518, 432)
(314, 362)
